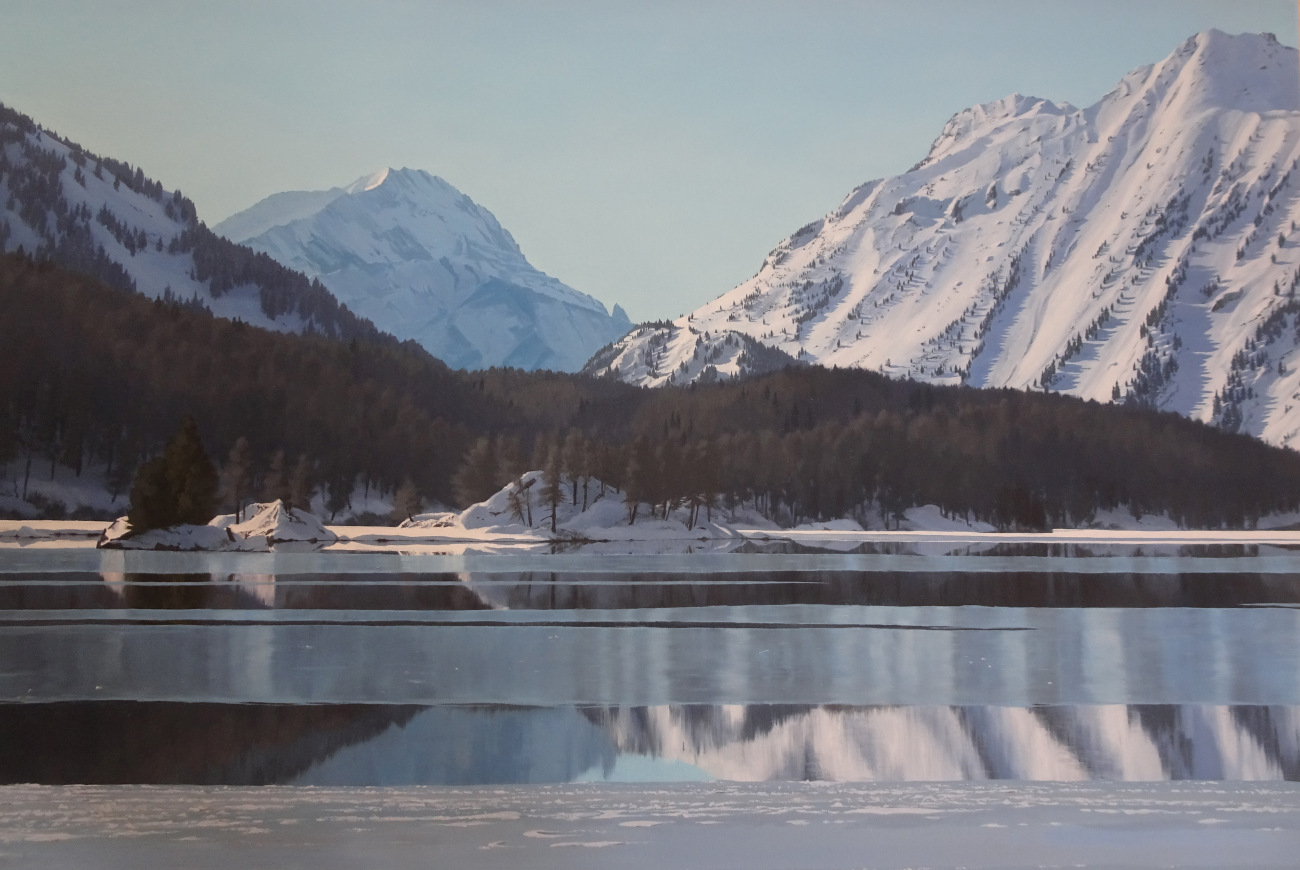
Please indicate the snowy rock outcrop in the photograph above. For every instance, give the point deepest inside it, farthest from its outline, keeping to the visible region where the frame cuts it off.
(117, 537)
(267, 524)
(425, 262)
(1144, 249)
(279, 524)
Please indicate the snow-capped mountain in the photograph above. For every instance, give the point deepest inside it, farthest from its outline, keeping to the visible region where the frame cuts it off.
(1143, 249)
(99, 216)
(425, 262)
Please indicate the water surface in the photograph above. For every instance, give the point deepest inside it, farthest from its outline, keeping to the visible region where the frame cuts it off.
(888, 663)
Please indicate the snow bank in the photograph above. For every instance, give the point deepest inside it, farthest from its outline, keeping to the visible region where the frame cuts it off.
(928, 518)
(431, 520)
(1122, 519)
(270, 524)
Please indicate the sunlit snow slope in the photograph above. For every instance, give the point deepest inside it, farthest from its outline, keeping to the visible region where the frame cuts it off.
(1144, 249)
(425, 262)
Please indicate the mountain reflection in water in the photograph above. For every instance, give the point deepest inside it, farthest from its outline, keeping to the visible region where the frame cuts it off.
(375, 745)
(1112, 742)
(766, 742)
(1026, 662)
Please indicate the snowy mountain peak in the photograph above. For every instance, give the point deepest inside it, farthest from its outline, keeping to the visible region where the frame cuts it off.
(424, 261)
(1213, 70)
(1145, 249)
(367, 182)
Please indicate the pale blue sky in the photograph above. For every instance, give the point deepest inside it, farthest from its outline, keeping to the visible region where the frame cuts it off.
(648, 153)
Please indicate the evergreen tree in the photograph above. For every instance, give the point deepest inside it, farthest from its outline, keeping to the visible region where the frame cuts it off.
(236, 476)
(406, 504)
(122, 470)
(571, 458)
(635, 482)
(301, 485)
(516, 502)
(338, 491)
(552, 490)
(509, 459)
(179, 487)
(275, 484)
(543, 444)
(476, 479)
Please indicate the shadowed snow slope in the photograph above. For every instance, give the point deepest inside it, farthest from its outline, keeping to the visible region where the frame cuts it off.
(1142, 249)
(424, 261)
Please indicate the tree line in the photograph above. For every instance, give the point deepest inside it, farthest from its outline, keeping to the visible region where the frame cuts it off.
(94, 376)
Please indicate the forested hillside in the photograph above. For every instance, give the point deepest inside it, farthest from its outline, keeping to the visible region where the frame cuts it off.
(93, 376)
(99, 216)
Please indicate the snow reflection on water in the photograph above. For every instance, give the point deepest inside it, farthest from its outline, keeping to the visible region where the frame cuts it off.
(393, 745)
(885, 665)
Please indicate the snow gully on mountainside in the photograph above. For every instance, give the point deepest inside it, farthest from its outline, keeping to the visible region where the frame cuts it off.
(1145, 249)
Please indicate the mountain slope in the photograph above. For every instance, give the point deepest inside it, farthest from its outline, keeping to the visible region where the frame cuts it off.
(1143, 249)
(98, 216)
(425, 262)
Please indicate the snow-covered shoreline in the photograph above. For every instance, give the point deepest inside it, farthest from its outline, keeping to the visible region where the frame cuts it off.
(595, 518)
(83, 534)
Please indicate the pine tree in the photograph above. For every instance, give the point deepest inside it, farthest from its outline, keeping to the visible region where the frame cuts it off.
(406, 504)
(575, 447)
(587, 467)
(275, 484)
(179, 487)
(635, 485)
(552, 490)
(476, 479)
(515, 497)
(301, 485)
(509, 459)
(236, 476)
(338, 491)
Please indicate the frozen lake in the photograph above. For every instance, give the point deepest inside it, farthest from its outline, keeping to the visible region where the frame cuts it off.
(560, 674)
(380, 669)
